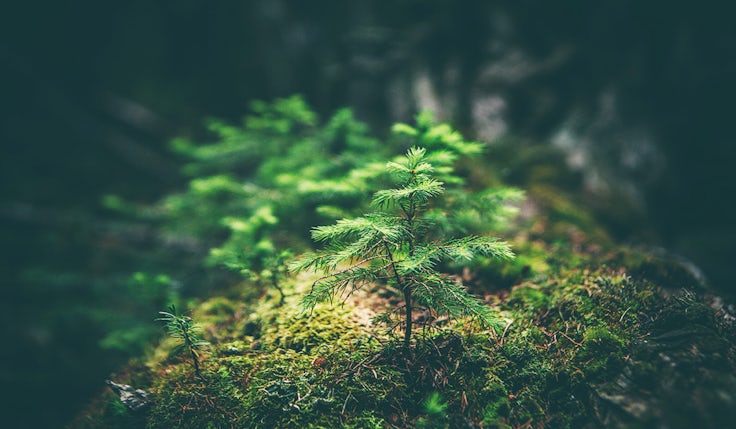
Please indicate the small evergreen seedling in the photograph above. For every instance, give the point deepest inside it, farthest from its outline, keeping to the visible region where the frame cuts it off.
(393, 245)
(184, 329)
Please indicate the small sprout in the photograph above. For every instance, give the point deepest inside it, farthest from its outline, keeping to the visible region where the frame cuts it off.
(184, 329)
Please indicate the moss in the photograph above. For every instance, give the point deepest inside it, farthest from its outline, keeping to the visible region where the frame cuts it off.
(528, 297)
(325, 370)
(601, 356)
(291, 327)
(287, 369)
(590, 343)
(283, 388)
(496, 406)
(182, 400)
(217, 310)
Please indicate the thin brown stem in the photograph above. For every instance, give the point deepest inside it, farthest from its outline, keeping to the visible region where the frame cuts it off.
(407, 299)
(277, 286)
(189, 344)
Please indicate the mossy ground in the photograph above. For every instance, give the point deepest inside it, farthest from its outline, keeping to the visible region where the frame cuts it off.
(594, 335)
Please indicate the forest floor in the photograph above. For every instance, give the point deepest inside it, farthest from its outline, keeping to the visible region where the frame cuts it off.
(590, 334)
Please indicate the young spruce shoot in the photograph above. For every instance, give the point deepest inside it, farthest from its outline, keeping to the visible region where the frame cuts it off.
(392, 244)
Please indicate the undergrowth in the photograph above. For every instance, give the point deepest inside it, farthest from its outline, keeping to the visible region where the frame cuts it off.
(567, 334)
(589, 330)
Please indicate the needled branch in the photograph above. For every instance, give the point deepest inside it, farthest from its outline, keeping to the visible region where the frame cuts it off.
(401, 226)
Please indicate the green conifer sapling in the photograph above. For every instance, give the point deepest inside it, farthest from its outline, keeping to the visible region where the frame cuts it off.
(184, 329)
(392, 244)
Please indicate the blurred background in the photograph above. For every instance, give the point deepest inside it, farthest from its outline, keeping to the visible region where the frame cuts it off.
(637, 96)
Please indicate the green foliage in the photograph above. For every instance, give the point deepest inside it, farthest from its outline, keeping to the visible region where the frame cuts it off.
(392, 244)
(435, 409)
(570, 354)
(183, 329)
(255, 189)
(252, 193)
(274, 170)
(462, 209)
(259, 186)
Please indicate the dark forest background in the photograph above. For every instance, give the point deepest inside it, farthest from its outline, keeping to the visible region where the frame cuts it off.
(638, 96)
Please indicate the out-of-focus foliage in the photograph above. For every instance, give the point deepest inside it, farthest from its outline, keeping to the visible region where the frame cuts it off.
(464, 208)
(256, 189)
(259, 186)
